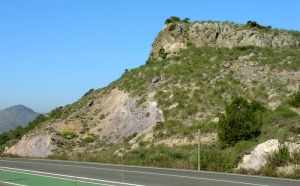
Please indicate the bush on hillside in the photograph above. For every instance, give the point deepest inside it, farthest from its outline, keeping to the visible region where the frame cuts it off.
(68, 134)
(172, 27)
(294, 99)
(89, 92)
(242, 121)
(172, 19)
(88, 139)
(254, 24)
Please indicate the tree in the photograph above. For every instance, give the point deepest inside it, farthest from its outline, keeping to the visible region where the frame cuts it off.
(186, 20)
(242, 121)
(4, 137)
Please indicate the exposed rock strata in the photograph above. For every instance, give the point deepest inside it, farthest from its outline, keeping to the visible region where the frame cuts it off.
(215, 34)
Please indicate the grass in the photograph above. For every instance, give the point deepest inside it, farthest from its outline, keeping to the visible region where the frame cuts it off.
(183, 157)
(280, 123)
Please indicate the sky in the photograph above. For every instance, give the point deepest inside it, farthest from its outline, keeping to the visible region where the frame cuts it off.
(53, 51)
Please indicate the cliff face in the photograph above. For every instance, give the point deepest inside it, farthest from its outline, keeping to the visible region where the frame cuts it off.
(177, 36)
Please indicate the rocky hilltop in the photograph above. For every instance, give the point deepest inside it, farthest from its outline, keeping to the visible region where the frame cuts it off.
(177, 35)
(194, 70)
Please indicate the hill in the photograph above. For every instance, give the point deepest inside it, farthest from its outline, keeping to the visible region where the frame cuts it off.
(151, 115)
(14, 116)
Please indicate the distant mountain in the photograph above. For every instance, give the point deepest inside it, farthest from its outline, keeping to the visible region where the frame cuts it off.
(14, 116)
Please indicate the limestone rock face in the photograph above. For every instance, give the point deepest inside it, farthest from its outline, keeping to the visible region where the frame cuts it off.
(168, 42)
(33, 146)
(215, 34)
(123, 117)
(258, 157)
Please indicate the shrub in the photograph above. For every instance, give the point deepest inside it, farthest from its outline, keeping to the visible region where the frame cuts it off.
(280, 157)
(162, 53)
(172, 27)
(242, 121)
(68, 134)
(254, 24)
(130, 137)
(88, 139)
(56, 113)
(102, 117)
(186, 20)
(172, 20)
(89, 92)
(294, 99)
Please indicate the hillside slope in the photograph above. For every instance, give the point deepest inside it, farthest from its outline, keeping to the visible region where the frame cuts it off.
(14, 116)
(193, 71)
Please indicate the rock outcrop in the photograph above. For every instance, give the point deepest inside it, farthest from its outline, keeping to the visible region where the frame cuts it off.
(259, 156)
(110, 118)
(33, 145)
(215, 34)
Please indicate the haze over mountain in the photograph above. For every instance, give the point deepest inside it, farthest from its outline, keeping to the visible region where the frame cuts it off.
(14, 116)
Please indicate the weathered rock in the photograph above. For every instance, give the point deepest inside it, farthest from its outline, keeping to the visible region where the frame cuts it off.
(33, 145)
(215, 34)
(121, 117)
(258, 157)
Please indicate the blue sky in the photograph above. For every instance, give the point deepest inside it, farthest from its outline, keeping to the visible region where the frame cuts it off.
(53, 51)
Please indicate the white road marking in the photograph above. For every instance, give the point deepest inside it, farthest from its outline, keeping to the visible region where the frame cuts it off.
(12, 183)
(37, 173)
(170, 175)
(141, 167)
(172, 169)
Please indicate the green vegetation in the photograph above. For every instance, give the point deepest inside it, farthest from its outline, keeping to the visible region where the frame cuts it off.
(88, 139)
(281, 157)
(254, 24)
(172, 19)
(172, 27)
(242, 121)
(183, 157)
(281, 123)
(89, 92)
(68, 134)
(294, 99)
(11, 137)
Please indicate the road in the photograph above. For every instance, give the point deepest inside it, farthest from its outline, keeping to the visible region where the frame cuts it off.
(108, 174)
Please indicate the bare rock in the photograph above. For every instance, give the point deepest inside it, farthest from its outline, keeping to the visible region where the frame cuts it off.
(33, 146)
(215, 34)
(258, 157)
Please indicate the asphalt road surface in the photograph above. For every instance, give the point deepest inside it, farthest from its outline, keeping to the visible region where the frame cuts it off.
(108, 174)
